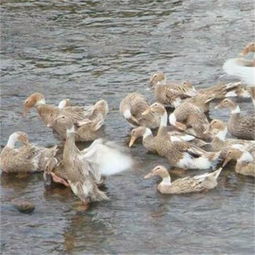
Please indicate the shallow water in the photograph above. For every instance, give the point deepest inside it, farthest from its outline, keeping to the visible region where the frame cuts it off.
(87, 50)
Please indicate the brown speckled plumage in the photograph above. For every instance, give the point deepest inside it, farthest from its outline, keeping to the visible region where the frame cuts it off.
(136, 104)
(184, 185)
(239, 125)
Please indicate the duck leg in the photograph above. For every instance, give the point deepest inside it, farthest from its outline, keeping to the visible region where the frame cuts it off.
(60, 180)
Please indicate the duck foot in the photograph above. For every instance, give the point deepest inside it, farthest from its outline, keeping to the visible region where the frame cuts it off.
(57, 179)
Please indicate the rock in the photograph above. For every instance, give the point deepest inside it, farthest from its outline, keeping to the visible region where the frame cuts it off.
(23, 206)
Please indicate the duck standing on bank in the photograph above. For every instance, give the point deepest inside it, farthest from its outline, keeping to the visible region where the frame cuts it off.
(84, 169)
(238, 125)
(196, 183)
(27, 158)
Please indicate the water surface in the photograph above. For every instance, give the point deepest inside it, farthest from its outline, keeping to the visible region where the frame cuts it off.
(88, 50)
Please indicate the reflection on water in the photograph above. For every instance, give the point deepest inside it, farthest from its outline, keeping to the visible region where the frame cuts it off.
(87, 50)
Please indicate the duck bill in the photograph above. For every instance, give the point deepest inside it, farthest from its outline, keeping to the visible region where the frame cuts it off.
(227, 159)
(146, 112)
(147, 176)
(217, 172)
(131, 142)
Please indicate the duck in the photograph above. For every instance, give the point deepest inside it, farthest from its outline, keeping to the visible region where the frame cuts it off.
(170, 94)
(79, 115)
(173, 94)
(179, 154)
(27, 158)
(238, 125)
(84, 169)
(188, 115)
(88, 130)
(48, 112)
(132, 107)
(242, 67)
(207, 95)
(218, 131)
(196, 183)
(240, 91)
(245, 161)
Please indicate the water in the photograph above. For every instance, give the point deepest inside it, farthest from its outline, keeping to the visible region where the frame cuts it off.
(87, 50)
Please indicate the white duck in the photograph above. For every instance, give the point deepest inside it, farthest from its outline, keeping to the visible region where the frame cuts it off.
(241, 67)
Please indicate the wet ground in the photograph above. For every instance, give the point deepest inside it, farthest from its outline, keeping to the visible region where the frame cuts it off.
(87, 50)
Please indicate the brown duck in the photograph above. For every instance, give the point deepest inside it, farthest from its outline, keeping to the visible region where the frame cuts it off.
(196, 183)
(26, 158)
(245, 162)
(132, 107)
(238, 125)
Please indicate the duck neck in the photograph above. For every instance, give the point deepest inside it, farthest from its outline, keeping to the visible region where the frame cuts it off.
(40, 102)
(12, 141)
(235, 110)
(70, 139)
(147, 133)
(221, 135)
(148, 140)
(163, 119)
(166, 180)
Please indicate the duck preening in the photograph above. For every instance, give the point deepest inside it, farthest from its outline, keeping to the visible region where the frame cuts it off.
(196, 183)
(245, 161)
(27, 158)
(132, 107)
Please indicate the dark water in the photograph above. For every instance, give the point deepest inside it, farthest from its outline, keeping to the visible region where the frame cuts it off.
(87, 50)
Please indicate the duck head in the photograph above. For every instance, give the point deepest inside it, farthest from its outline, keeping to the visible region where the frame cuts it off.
(232, 154)
(158, 171)
(216, 128)
(33, 100)
(250, 47)
(227, 103)
(65, 122)
(158, 77)
(138, 132)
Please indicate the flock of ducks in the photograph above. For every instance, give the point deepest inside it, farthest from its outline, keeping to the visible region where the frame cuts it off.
(185, 137)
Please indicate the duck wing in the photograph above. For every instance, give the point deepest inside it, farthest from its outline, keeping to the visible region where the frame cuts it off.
(107, 157)
(193, 150)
